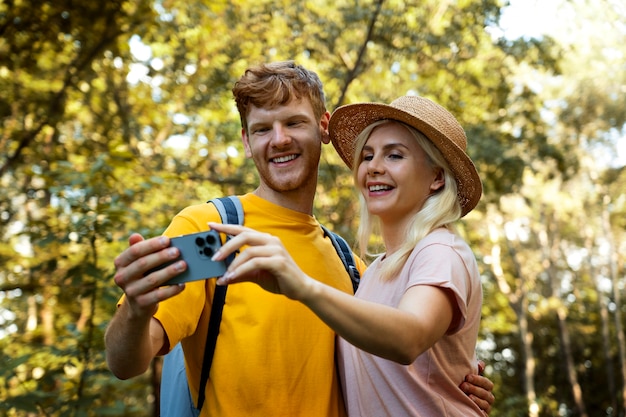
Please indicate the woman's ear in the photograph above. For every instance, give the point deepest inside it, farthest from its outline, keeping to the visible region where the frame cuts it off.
(439, 181)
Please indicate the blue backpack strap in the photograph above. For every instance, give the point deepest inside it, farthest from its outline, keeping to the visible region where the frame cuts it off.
(175, 397)
(345, 253)
(231, 212)
(229, 208)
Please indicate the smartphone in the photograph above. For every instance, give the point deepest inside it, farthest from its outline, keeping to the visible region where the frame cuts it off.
(196, 249)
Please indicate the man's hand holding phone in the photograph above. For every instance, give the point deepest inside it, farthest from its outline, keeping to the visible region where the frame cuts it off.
(196, 250)
(149, 271)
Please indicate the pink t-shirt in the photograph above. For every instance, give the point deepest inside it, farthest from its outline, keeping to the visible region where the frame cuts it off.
(429, 387)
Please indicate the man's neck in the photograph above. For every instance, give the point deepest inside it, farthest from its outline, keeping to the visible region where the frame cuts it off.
(300, 200)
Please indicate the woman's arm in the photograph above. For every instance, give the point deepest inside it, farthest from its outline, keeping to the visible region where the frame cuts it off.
(399, 334)
(423, 316)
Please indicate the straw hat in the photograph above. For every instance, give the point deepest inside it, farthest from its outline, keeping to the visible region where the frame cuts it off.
(435, 122)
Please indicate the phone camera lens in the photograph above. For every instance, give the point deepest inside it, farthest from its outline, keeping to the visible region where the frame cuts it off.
(210, 240)
(199, 242)
(208, 252)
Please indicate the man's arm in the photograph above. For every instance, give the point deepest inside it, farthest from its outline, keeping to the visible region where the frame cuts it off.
(132, 342)
(133, 336)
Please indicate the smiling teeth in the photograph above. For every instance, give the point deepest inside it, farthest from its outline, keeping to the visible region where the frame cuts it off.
(284, 159)
(379, 187)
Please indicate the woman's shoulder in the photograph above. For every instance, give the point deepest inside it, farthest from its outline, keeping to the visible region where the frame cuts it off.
(441, 235)
(442, 240)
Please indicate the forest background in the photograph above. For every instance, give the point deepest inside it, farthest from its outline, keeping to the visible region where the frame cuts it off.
(114, 115)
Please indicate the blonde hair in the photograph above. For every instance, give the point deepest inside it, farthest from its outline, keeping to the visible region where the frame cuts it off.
(441, 209)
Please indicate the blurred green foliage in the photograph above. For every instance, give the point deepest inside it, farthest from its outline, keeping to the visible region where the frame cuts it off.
(115, 115)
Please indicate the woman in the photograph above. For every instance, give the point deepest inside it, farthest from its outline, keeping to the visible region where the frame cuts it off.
(408, 335)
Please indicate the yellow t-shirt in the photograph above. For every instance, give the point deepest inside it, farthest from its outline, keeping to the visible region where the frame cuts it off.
(273, 356)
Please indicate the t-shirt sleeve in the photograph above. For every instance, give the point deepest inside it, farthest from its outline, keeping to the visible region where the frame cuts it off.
(180, 314)
(442, 266)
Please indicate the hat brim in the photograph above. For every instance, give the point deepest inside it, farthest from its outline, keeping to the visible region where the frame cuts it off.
(348, 121)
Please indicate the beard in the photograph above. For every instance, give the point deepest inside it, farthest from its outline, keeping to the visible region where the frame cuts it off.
(299, 174)
(286, 180)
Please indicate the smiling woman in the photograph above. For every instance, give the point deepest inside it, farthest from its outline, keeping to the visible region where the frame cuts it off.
(395, 175)
(412, 325)
(75, 83)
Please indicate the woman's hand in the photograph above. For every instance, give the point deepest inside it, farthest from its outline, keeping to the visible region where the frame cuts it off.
(263, 260)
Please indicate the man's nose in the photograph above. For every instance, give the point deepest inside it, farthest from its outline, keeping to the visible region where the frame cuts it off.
(281, 136)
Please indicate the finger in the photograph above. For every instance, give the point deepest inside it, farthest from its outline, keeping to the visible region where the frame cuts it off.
(155, 279)
(229, 229)
(483, 399)
(139, 249)
(263, 256)
(482, 404)
(481, 367)
(256, 261)
(134, 238)
(481, 381)
(149, 300)
(474, 388)
(245, 237)
(230, 245)
(145, 265)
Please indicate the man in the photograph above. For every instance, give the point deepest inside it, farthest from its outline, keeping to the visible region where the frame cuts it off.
(273, 356)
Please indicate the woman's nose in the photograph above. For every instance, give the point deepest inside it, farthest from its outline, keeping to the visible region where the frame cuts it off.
(375, 166)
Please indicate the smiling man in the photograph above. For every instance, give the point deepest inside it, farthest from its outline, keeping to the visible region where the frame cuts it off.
(273, 356)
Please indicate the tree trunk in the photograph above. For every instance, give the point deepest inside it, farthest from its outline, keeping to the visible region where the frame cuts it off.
(519, 303)
(572, 377)
(86, 311)
(550, 243)
(604, 319)
(529, 364)
(47, 316)
(613, 268)
(31, 320)
(526, 337)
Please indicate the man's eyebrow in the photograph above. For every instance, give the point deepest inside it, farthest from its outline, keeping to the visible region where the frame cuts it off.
(290, 118)
(254, 125)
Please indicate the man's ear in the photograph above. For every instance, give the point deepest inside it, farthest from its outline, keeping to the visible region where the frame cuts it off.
(324, 127)
(246, 143)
